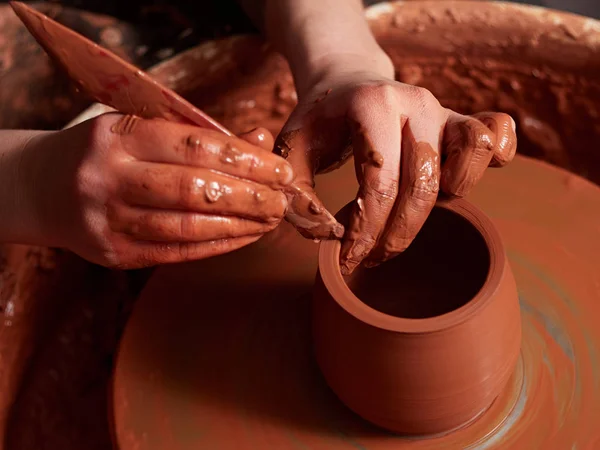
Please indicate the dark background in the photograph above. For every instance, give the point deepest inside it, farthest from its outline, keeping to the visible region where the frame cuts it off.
(167, 27)
(217, 17)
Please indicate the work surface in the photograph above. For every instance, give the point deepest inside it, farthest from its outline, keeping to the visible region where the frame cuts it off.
(217, 354)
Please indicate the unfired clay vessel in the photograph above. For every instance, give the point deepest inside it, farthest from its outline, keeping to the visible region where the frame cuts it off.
(424, 343)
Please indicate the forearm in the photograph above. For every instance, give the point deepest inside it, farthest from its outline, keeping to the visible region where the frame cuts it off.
(317, 36)
(18, 218)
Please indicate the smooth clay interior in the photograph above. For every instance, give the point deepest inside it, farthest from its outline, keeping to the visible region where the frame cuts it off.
(443, 269)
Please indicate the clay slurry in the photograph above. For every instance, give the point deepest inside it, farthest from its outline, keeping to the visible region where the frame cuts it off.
(442, 270)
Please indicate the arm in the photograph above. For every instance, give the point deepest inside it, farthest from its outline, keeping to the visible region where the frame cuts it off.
(19, 221)
(100, 190)
(319, 37)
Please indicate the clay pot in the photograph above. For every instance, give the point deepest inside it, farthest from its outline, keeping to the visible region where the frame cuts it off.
(424, 343)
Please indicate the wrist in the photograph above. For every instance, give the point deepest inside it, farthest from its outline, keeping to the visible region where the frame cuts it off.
(21, 187)
(343, 67)
(322, 38)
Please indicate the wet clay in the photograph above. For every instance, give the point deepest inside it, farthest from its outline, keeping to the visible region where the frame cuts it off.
(535, 64)
(169, 393)
(417, 193)
(125, 125)
(397, 343)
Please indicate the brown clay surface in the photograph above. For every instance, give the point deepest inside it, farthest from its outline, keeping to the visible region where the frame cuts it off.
(435, 371)
(229, 364)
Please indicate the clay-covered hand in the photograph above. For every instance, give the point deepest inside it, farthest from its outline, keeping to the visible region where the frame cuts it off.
(406, 148)
(126, 192)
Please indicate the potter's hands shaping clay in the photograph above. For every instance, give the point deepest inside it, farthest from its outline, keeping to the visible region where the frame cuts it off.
(126, 192)
(406, 147)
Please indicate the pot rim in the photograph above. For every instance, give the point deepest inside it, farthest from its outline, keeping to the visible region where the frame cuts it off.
(329, 269)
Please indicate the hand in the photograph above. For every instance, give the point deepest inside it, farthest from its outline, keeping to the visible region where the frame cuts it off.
(406, 147)
(127, 193)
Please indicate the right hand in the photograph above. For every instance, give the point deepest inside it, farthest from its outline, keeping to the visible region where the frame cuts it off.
(125, 192)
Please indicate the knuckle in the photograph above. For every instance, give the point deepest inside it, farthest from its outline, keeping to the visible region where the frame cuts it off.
(485, 142)
(183, 251)
(382, 191)
(187, 226)
(394, 246)
(111, 259)
(188, 186)
(422, 196)
(384, 94)
(142, 260)
(114, 214)
(423, 99)
(159, 253)
(478, 136)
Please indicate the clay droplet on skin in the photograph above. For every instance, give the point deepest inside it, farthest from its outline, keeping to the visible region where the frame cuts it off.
(360, 206)
(192, 141)
(125, 125)
(213, 192)
(229, 154)
(258, 197)
(314, 208)
(503, 128)
(284, 143)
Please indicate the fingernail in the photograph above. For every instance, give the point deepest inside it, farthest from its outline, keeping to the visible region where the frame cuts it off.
(347, 267)
(351, 258)
(514, 125)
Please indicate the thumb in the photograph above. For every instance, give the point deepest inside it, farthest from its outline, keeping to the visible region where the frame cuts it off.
(305, 212)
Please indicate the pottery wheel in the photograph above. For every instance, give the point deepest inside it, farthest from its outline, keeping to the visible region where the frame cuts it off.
(217, 353)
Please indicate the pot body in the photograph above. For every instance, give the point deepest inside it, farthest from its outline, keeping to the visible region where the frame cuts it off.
(419, 376)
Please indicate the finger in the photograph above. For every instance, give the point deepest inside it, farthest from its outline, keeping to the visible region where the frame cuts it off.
(309, 216)
(148, 254)
(174, 226)
(419, 185)
(164, 142)
(503, 130)
(377, 141)
(305, 210)
(190, 189)
(261, 137)
(468, 146)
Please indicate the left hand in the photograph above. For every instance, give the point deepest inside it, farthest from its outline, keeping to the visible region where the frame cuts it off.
(406, 147)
